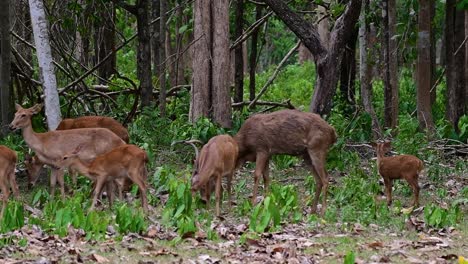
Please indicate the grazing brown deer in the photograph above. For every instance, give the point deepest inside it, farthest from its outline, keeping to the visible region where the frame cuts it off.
(52, 145)
(406, 167)
(287, 132)
(126, 161)
(32, 163)
(7, 175)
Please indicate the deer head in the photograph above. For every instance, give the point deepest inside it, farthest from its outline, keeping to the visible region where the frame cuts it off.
(23, 116)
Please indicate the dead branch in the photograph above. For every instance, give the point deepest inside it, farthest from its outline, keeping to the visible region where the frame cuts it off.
(285, 104)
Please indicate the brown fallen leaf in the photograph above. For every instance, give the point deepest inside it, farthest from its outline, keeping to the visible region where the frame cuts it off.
(375, 245)
(99, 258)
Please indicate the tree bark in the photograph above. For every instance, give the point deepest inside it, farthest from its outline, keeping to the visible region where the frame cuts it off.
(348, 70)
(365, 71)
(162, 56)
(450, 62)
(155, 38)
(238, 54)
(201, 87)
(327, 60)
(460, 64)
(144, 52)
(390, 64)
(44, 56)
(6, 102)
(253, 54)
(424, 72)
(104, 38)
(221, 99)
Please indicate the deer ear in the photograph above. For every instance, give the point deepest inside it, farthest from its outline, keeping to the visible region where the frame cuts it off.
(18, 107)
(36, 108)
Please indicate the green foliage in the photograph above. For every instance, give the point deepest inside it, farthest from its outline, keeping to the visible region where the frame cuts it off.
(130, 220)
(439, 217)
(349, 258)
(13, 217)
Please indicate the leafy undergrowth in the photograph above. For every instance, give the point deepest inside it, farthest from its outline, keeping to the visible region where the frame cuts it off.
(357, 225)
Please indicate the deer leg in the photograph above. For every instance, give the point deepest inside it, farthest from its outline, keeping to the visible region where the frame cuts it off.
(13, 184)
(388, 190)
(97, 190)
(110, 187)
(228, 185)
(142, 187)
(6, 194)
(413, 182)
(321, 179)
(261, 160)
(266, 176)
(219, 193)
(59, 178)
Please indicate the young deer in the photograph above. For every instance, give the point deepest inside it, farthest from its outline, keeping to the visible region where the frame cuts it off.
(126, 161)
(32, 163)
(405, 167)
(287, 132)
(217, 159)
(7, 175)
(52, 145)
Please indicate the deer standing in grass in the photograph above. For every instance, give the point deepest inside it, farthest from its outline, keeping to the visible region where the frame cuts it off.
(126, 161)
(406, 167)
(32, 163)
(287, 132)
(51, 146)
(7, 175)
(217, 159)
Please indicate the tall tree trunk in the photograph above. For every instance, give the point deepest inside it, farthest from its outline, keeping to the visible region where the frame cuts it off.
(433, 54)
(365, 71)
(162, 56)
(466, 65)
(253, 54)
(200, 102)
(460, 64)
(6, 102)
(348, 70)
(144, 52)
(238, 54)
(390, 64)
(327, 60)
(44, 56)
(221, 99)
(104, 37)
(155, 38)
(424, 67)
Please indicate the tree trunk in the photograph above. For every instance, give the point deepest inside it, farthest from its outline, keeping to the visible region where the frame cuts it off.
(327, 60)
(348, 70)
(201, 87)
(390, 64)
(44, 56)
(433, 54)
(460, 64)
(221, 98)
(365, 71)
(424, 67)
(104, 38)
(465, 106)
(144, 52)
(162, 56)
(253, 54)
(155, 39)
(6, 102)
(238, 54)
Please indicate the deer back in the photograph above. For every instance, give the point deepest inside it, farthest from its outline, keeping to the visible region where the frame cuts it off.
(95, 122)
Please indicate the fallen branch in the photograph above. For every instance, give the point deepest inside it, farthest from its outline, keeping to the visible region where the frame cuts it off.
(285, 104)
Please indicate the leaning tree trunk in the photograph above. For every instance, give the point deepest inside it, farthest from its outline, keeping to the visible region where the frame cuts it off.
(365, 71)
(144, 52)
(327, 60)
(424, 67)
(6, 102)
(200, 102)
(46, 67)
(253, 54)
(238, 54)
(221, 99)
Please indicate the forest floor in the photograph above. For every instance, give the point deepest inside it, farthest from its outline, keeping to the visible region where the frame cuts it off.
(319, 241)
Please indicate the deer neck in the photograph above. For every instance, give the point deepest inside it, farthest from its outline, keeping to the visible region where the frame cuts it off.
(80, 166)
(31, 137)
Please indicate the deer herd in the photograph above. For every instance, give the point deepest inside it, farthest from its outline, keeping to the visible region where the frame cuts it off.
(98, 148)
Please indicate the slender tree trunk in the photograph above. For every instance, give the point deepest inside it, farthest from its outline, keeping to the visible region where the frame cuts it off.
(238, 54)
(390, 63)
(221, 99)
(253, 55)
(104, 40)
(365, 71)
(424, 67)
(162, 56)
(465, 106)
(155, 39)
(433, 54)
(450, 71)
(348, 70)
(201, 87)
(144, 52)
(460, 64)
(44, 56)
(6, 102)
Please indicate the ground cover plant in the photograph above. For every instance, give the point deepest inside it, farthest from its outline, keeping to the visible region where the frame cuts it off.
(357, 227)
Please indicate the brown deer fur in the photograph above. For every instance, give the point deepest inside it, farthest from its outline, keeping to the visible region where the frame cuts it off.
(7, 175)
(217, 159)
(287, 132)
(32, 163)
(126, 161)
(52, 145)
(406, 167)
